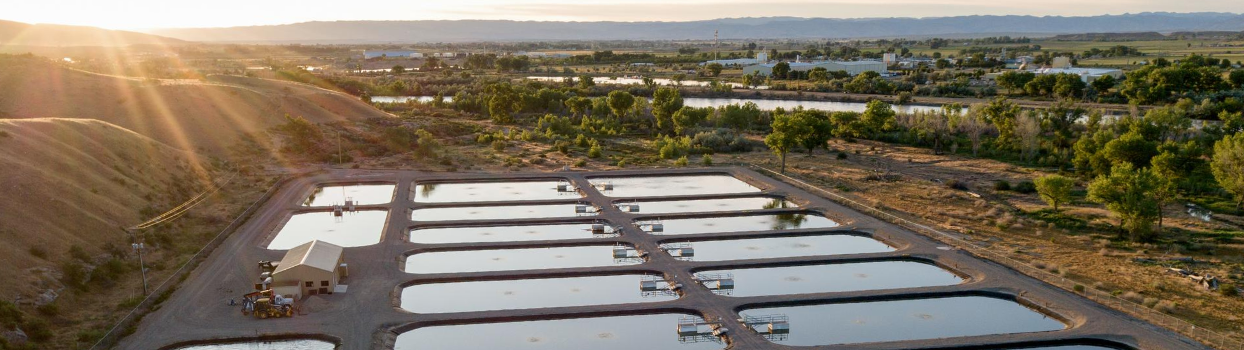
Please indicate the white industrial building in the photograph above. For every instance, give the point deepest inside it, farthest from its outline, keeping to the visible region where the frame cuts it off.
(370, 54)
(851, 67)
(312, 268)
(1088, 75)
(761, 57)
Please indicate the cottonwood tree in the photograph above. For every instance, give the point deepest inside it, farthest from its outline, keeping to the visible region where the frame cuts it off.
(974, 126)
(1228, 165)
(621, 103)
(1002, 114)
(878, 117)
(1028, 131)
(785, 135)
(665, 102)
(1054, 189)
(817, 129)
(1128, 192)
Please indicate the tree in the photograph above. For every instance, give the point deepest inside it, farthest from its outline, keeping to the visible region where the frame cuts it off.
(579, 105)
(1054, 189)
(817, 129)
(1002, 114)
(1128, 192)
(398, 69)
(785, 135)
(1228, 165)
(974, 126)
(432, 63)
(1012, 80)
(818, 74)
(739, 117)
(1132, 148)
(1103, 84)
(678, 78)
(781, 70)
(689, 117)
(1068, 86)
(1237, 78)
(714, 69)
(621, 103)
(586, 82)
(503, 103)
(878, 117)
(665, 102)
(1028, 131)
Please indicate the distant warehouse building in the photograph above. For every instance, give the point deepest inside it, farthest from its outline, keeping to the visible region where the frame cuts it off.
(312, 268)
(370, 54)
(851, 67)
(1088, 75)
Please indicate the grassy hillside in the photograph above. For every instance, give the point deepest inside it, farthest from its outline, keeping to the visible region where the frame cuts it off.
(203, 116)
(78, 182)
(22, 34)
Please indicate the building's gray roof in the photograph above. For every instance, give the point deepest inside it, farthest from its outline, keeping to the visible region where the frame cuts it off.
(317, 254)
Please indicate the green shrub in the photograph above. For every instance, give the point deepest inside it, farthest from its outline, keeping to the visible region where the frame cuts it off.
(842, 155)
(594, 152)
(1079, 288)
(563, 147)
(621, 163)
(1026, 187)
(80, 254)
(1228, 290)
(499, 145)
(681, 162)
(73, 274)
(10, 315)
(581, 141)
(957, 185)
(720, 141)
(38, 330)
(580, 163)
(49, 309)
(706, 160)
(1001, 185)
(39, 252)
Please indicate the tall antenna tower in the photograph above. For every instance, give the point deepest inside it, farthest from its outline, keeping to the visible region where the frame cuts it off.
(715, 45)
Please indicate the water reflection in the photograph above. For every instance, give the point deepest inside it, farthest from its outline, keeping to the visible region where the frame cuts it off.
(836, 278)
(786, 221)
(352, 229)
(513, 259)
(502, 212)
(324, 196)
(784, 247)
(305, 344)
(908, 320)
(509, 233)
(601, 333)
(704, 205)
(652, 186)
(526, 294)
(492, 191)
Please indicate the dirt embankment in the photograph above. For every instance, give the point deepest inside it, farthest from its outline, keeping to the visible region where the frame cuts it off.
(202, 116)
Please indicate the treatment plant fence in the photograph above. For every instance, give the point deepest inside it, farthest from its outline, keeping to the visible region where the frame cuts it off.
(1209, 337)
(166, 288)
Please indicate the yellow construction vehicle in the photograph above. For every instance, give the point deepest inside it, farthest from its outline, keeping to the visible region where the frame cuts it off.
(265, 304)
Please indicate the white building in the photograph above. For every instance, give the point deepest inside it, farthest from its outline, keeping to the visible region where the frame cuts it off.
(369, 54)
(851, 67)
(761, 57)
(312, 268)
(1088, 75)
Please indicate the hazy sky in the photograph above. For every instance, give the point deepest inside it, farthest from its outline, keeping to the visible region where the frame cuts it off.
(145, 14)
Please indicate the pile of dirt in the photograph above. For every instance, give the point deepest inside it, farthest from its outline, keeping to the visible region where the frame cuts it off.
(206, 116)
(314, 304)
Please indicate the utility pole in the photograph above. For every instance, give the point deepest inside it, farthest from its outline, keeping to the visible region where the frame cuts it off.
(139, 246)
(339, 148)
(716, 43)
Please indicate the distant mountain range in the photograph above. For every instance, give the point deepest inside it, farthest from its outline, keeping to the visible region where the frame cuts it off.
(23, 34)
(730, 28)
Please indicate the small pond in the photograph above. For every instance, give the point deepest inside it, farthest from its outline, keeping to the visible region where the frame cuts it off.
(704, 205)
(481, 234)
(599, 333)
(653, 186)
(462, 192)
(513, 259)
(767, 222)
(526, 294)
(784, 247)
(500, 212)
(352, 229)
(325, 196)
(835, 278)
(897, 320)
(301, 344)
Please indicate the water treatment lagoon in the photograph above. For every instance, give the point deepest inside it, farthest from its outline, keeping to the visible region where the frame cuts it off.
(512, 259)
(301, 344)
(325, 196)
(723, 224)
(484, 234)
(526, 294)
(600, 333)
(352, 229)
(653, 186)
(896, 320)
(461, 192)
(836, 278)
(500, 212)
(703, 205)
(785, 247)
